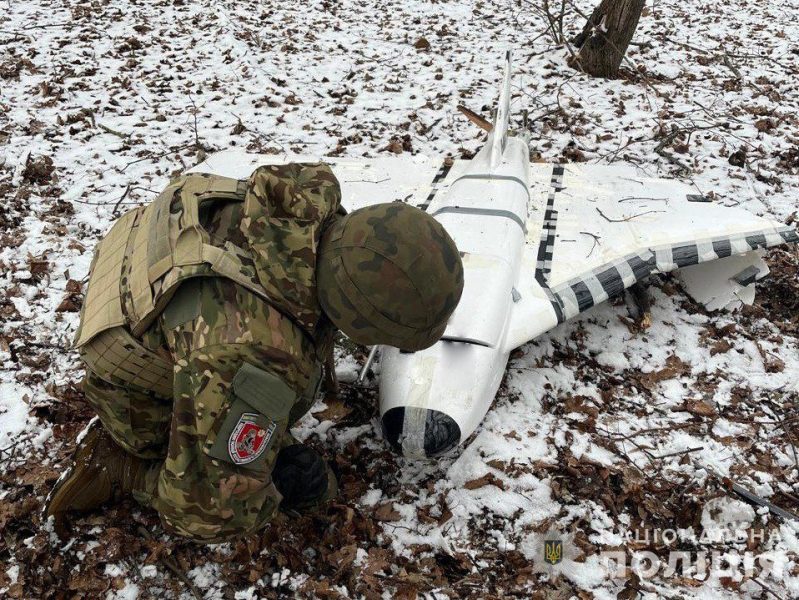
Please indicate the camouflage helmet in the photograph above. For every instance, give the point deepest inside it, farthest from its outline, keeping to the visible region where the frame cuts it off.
(389, 274)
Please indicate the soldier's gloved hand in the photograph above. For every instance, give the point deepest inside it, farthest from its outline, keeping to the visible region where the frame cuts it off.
(303, 478)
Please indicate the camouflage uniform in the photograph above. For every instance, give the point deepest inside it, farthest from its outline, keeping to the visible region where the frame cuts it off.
(203, 333)
(244, 369)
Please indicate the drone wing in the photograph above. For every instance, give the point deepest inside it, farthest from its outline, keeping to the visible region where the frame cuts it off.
(592, 231)
(364, 181)
(596, 230)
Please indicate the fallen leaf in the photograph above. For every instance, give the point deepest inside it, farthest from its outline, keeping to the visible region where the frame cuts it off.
(738, 158)
(69, 304)
(38, 170)
(387, 512)
(700, 407)
(74, 287)
(487, 479)
(336, 410)
(764, 125)
(720, 347)
(773, 364)
(422, 44)
(238, 128)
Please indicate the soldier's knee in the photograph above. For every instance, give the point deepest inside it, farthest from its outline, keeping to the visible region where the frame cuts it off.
(136, 420)
(216, 505)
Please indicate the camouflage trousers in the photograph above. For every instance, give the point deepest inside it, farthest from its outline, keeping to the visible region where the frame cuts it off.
(242, 374)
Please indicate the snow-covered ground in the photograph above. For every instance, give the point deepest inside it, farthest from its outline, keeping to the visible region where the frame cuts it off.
(604, 432)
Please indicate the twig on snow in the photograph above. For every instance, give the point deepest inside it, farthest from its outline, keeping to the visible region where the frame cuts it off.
(596, 241)
(644, 198)
(764, 587)
(197, 144)
(156, 156)
(725, 58)
(619, 436)
(681, 452)
(624, 220)
(170, 564)
(121, 198)
(107, 129)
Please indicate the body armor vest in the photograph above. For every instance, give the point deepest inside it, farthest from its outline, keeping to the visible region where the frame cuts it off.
(162, 244)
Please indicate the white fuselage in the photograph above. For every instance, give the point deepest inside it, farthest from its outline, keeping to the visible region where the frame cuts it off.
(438, 396)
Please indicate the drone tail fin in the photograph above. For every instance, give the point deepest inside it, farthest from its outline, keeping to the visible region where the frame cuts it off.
(499, 136)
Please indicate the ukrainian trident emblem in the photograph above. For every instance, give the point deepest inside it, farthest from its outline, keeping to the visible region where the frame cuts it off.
(553, 551)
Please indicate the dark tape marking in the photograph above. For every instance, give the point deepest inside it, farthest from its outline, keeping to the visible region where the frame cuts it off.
(790, 235)
(547, 243)
(684, 256)
(642, 268)
(722, 248)
(584, 298)
(747, 276)
(611, 281)
(440, 175)
(757, 241)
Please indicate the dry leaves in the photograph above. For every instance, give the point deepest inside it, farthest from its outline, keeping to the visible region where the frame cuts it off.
(387, 512)
(39, 170)
(336, 409)
(675, 367)
(700, 408)
(487, 479)
(422, 44)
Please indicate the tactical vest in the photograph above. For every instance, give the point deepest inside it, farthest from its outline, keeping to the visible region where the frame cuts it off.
(165, 244)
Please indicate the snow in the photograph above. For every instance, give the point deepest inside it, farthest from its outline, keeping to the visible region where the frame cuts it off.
(248, 594)
(13, 573)
(360, 82)
(371, 497)
(129, 592)
(207, 578)
(727, 513)
(13, 412)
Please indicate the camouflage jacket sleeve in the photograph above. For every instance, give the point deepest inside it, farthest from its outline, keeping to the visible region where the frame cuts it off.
(285, 211)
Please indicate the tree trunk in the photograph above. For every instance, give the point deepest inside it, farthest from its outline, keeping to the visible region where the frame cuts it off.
(605, 37)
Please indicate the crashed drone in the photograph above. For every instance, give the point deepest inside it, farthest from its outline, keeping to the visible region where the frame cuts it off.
(540, 244)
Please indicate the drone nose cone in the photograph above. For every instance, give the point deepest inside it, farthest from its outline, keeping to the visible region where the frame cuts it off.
(420, 432)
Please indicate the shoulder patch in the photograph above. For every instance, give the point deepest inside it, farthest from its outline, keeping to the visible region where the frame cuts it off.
(249, 438)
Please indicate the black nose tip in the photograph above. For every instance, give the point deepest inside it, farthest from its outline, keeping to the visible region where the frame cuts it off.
(441, 432)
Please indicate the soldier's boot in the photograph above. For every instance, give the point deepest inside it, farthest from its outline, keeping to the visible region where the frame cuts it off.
(99, 469)
(303, 478)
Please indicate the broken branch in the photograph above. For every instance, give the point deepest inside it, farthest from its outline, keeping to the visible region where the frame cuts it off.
(476, 119)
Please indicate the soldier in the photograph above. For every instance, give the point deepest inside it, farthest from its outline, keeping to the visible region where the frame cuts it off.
(207, 319)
